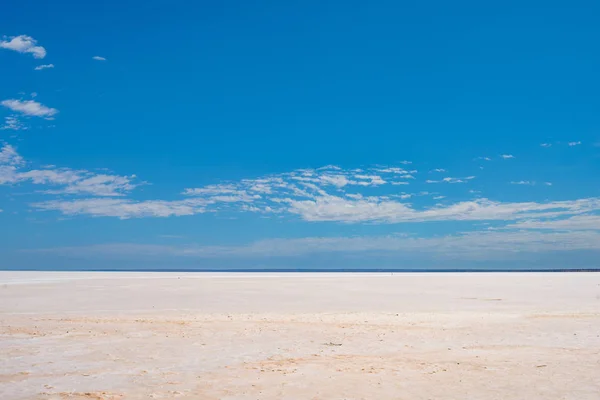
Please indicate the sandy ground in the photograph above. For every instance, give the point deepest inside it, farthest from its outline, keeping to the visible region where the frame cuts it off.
(299, 336)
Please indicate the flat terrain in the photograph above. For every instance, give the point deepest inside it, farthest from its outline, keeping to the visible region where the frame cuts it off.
(299, 336)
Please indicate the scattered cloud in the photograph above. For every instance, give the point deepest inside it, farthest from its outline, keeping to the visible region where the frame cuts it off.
(44, 66)
(326, 194)
(546, 144)
(23, 44)
(98, 58)
(484, 158)
(571, 144)
(12, 123)
(507, 156)
(439, 170)
(548, 183)
(62, 180)
(30, 108)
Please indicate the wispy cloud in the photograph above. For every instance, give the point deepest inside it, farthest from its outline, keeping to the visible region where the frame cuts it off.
(572, 144)
(62, 180)
(439, 170)
(530, 183)
(98, 58)
(12, 123)
(10, 160)
(483, 158)
(546, 144)
(44, 66)
(507, 156)
(325, 194)
(30, 108)
(23, 44)
(9, 155)
(451, 180)
(578, 222)
(485, 245)
(123, 208)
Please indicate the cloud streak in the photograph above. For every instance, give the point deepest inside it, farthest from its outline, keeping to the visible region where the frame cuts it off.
(44, 66)
(485, 245)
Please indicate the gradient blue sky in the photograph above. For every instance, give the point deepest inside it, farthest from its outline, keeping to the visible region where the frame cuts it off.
(299, 134)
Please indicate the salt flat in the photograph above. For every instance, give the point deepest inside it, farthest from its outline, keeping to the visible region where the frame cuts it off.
(478, 336)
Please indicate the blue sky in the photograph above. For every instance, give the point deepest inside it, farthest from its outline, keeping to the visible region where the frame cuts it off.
(299, 134)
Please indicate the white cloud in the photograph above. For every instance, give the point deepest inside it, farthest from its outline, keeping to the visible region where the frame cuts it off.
(393, 170)
(451, 180)
(439, 170)
(332, 208)
(69, 181)
(484, 158)
(530, 183)
(24, 44)
(213, 190)
(9, 155)
(44, 66)
(577, 222)
(9, 161)
(7, 174)
(12, 123)
(123, 208)
(335, 195)
(30, 108)
(79, 182)
(507, 156)
(574, 144)
(405, 162)
(98, 58)
(369, 180)
(546, 144)
(548, 183)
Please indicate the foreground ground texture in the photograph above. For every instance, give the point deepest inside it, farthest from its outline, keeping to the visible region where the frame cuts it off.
(299, 336)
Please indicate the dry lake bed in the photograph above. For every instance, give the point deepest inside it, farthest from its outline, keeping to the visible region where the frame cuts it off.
(117, 335)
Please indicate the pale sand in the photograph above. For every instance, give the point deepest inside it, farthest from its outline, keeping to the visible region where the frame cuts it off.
(299, 336)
